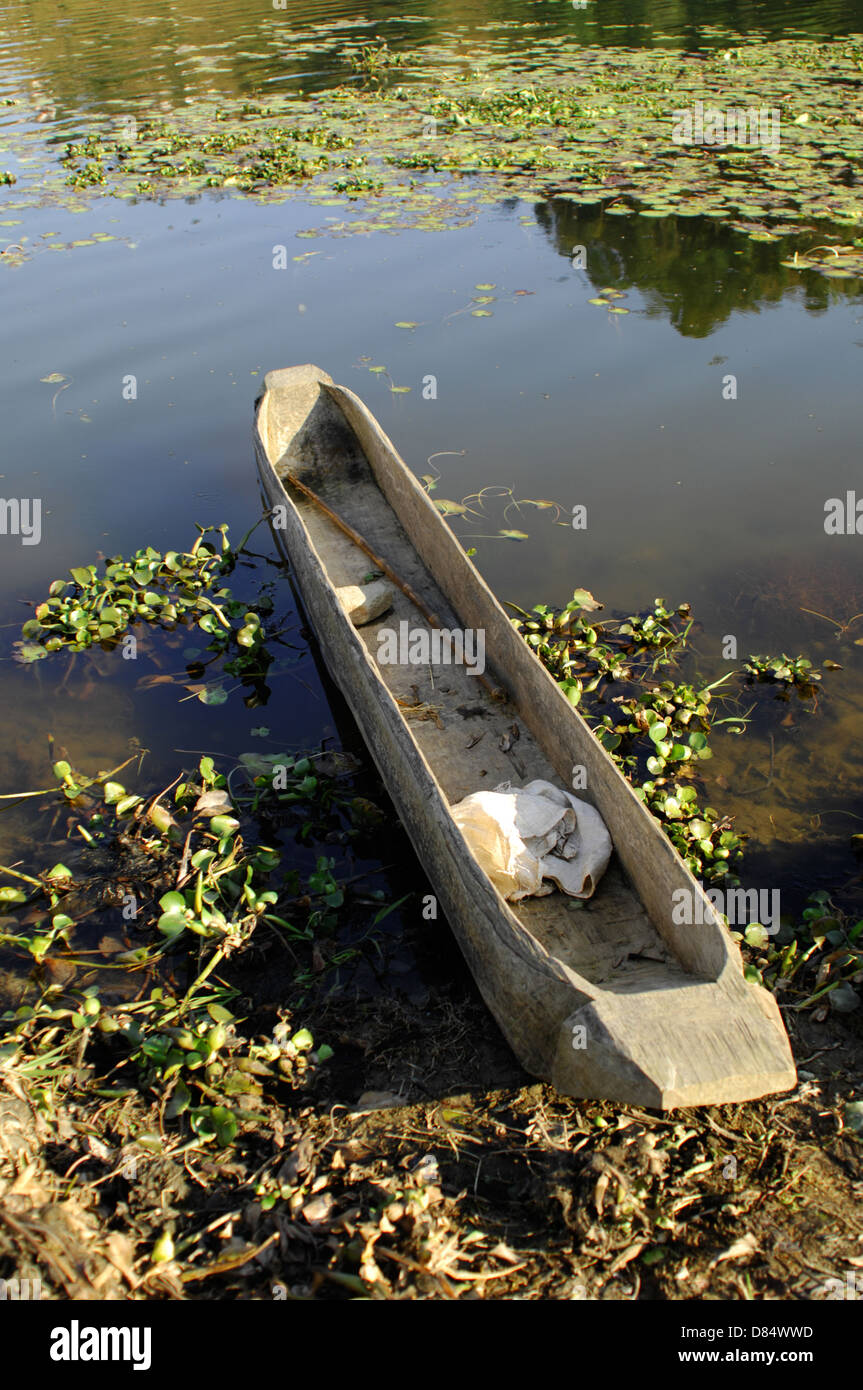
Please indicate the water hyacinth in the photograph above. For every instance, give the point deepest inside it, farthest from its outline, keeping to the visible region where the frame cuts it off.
(164, 590)
(660, 730)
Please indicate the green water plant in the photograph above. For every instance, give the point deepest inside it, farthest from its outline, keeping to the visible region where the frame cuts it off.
(790, 673)
(99, 607)
(656, 729)
(374, 58)
(186, 1051)
(202, 888)
(593, 126)
(815, 963)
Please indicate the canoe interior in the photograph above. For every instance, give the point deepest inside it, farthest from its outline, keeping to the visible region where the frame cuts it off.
(460, 728)
(663, 1013)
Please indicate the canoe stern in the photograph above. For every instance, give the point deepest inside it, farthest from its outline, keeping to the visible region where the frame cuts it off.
(695, 1044)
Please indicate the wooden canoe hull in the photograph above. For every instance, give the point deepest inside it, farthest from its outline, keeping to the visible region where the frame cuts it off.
(672, 1021)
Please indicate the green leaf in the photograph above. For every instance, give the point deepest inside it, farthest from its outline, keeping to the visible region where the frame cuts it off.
(654, 1256)
(161, 817)
(224, 825)
(179, 1102)
(163, 1250)
(28, 652)
(756, 936)
(171, 924)
(172, 901)
(225, 1124)
(114, 792)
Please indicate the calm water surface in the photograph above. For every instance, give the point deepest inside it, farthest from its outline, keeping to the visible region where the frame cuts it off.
(689, 495)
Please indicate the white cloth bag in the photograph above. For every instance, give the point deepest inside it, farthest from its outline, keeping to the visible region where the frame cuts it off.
(522, 837)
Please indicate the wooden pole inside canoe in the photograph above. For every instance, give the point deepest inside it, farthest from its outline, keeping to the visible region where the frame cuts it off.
(431, 618)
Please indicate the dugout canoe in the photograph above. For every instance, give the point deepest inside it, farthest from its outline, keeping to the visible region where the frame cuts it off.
(611, 998)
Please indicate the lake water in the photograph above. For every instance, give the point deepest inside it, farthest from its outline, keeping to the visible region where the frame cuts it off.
(689, 495)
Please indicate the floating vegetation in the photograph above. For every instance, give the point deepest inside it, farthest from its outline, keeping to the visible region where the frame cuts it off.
(491, 493)
(592, 125)
(179, 587)
(660, 729)
(814, 964)
(373, 58)
(789, 672)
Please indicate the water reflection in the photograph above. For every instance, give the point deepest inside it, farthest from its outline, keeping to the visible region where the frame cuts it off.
(693, 271)
(84, 56)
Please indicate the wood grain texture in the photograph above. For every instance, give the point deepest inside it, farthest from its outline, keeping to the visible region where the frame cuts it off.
(663, 1011)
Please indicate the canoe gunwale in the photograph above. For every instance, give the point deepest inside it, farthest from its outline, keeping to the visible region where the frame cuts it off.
(708, 951)
(356, 672)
